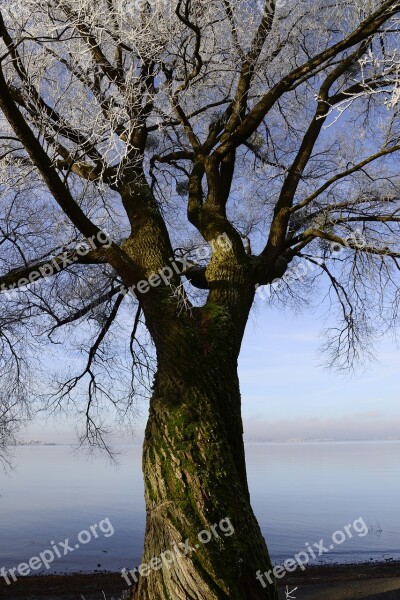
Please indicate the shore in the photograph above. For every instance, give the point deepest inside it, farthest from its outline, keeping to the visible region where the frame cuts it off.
(370, 581)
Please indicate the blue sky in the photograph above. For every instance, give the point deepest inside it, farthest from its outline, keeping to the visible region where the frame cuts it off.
(288, 393)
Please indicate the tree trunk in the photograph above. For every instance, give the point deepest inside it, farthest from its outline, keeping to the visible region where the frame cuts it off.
(195, 482)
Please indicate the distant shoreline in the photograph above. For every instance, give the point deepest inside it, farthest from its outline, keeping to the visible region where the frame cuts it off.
(321, 441)
(37, 443)
(246, 442)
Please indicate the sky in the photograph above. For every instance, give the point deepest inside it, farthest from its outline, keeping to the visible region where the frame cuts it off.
(288, 393)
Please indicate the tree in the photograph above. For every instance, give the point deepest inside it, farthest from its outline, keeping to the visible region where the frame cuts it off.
(132, 134)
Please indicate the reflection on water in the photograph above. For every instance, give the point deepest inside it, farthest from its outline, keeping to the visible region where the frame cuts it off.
(300, 492)
(304, 492)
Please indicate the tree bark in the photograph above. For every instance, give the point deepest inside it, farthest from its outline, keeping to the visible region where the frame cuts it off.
(195, 476)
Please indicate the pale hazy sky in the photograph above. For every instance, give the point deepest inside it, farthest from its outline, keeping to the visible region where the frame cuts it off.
(288, 394)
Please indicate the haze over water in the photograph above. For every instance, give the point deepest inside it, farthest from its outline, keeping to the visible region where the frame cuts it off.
(300, 493)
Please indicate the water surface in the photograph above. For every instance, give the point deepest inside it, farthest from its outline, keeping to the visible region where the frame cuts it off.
(300, 493)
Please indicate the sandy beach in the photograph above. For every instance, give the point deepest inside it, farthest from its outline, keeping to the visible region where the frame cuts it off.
(371, 581)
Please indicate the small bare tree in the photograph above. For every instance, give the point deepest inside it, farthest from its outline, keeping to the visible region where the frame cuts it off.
(14, 404)
(133, 133)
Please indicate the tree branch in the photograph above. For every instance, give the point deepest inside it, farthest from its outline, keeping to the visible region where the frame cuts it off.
(251, 122)
(34, 272)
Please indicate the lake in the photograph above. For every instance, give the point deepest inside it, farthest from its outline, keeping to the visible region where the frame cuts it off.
(301, 493)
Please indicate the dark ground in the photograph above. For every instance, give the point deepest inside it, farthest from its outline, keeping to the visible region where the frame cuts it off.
(376, 581)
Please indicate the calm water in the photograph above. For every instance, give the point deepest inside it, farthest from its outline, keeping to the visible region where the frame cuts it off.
(300, 493)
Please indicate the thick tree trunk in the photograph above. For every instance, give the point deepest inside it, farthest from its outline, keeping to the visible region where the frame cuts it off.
(193, 458)
(195, 483)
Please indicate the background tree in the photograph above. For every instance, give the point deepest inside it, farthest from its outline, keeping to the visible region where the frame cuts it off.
(171, 124)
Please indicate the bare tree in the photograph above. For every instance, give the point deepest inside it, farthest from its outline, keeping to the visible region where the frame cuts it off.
(133, 133)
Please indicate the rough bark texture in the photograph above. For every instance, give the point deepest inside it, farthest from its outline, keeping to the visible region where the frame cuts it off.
(195, 474)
